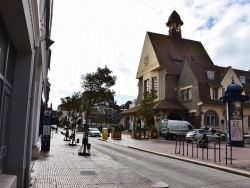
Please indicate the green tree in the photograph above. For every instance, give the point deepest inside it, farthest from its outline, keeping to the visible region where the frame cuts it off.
(96, 86)
(55, 117)
(145, 110)
(74, 108)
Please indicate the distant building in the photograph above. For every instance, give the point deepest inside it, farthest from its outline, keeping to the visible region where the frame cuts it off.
(187, 82)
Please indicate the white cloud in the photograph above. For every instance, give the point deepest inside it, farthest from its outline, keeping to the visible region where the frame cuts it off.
(93, 33)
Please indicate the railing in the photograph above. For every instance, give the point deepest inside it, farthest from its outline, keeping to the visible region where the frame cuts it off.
(230, 152)
(180, 146)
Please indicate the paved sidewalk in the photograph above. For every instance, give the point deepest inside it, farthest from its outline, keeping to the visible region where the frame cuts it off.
(62, 167)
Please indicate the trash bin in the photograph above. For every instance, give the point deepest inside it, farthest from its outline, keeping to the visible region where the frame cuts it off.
(105, 133)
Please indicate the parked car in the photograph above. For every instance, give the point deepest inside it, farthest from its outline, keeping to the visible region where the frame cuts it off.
(221, 135)
(94, 132)
(196, 134)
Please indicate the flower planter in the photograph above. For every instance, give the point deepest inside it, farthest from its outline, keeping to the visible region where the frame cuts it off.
(79, 129)
(136, 134)
(152, 134)
(116, 135)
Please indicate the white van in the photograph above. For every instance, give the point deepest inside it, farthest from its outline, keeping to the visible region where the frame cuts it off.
(174, 128)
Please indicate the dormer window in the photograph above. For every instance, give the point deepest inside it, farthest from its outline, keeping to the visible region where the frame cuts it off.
(242, 79)
(210, 75)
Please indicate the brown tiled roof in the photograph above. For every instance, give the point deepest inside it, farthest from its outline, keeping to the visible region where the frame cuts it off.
(168, 49)
(204, 94)
(239, 73)
(200, 72)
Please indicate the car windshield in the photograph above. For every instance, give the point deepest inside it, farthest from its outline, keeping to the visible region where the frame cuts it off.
(93, 129)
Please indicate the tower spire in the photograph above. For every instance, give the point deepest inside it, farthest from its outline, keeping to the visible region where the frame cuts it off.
(174, 23)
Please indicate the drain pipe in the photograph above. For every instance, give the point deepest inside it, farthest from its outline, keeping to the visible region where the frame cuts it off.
(31, 119)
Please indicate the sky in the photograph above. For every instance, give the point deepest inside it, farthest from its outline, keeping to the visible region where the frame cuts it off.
(93, 33)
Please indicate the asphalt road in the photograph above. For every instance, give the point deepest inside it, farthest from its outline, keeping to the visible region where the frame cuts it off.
(173, 172)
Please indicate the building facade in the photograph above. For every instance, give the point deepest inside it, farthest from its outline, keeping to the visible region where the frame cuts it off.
(24, 62)
(187, 83)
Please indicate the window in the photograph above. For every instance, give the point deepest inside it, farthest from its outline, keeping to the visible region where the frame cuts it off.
(214, 93)
(146, 85)
(186, 94)
(210, 75)
(211, 118)
(154, 85)
(242, 79)
(11, 63)
(3, 48)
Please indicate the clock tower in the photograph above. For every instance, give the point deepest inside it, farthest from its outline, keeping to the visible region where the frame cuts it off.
(174, 23)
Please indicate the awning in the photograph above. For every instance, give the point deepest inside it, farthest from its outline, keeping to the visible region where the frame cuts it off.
(170, 105)
(160, 105)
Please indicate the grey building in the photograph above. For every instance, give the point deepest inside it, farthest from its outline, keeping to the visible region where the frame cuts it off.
(24, 62)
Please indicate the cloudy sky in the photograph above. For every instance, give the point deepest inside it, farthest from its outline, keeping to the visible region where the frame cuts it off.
(94, 33)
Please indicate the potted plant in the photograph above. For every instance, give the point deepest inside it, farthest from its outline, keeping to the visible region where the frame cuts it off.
(116, 131)
(80, 128)
(153, 132)
(136, 133)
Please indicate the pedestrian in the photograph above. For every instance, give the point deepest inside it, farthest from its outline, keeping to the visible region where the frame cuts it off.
(204, 141)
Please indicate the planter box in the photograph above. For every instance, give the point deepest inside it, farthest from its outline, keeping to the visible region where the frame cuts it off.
(152, 134)
(116, 135)
(136, 134)
(79, 129)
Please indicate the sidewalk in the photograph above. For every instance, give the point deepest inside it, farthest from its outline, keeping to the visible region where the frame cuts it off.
(63, 167)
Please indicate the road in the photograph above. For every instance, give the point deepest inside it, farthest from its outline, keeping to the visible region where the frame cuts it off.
(175, 173)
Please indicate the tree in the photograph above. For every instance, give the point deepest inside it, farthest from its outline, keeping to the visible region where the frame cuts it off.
(145, 110)
(74, 108)
(96, 85)
(55, 117)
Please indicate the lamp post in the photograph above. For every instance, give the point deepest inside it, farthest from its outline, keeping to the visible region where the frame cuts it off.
(234, 100)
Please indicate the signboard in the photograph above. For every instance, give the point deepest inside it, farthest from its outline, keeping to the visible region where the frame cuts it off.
(236, 130)
(46, 129)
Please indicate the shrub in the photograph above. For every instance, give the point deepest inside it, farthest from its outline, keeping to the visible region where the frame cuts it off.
(117, 127)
